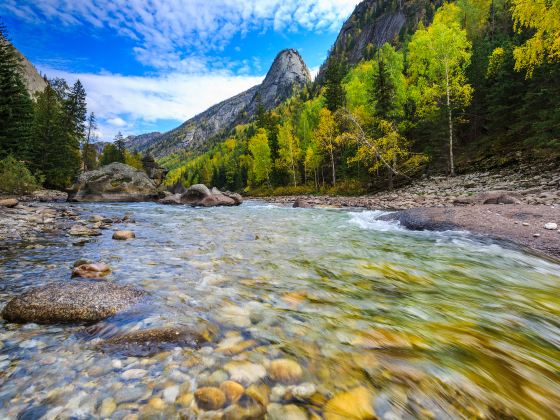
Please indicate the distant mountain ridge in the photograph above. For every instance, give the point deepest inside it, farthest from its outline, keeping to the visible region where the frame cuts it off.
(287, 73)
(138, 143)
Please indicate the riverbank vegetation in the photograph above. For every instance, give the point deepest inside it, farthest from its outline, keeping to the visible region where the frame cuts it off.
(476, 86)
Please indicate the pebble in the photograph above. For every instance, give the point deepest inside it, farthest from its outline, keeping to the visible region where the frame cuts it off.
(123, 235)
(285, 412)
(185, 399)
(551, 226)
(108, 407)
(134, 374)
(285, 371)
(156, 403)
(232, 390)
(129, 394)
(245, 373)
(210, 398)
(171, 393)
(354, 404)
(302, 392)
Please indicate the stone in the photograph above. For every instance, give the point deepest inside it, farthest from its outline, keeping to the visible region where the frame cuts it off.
(114, 182)
(185, 399)
(235, 316)
(152, 341)
(123, 235)
(285, 371)
(234, 345)
(107, 407)
(130, 394)
(200, 196)
(285, 412)
(356, 403)
(81, 230)
(232, 390)
(551, 226)
(259, 393)
(210, 398)
(301, 203)
(302, 392)
(156, 403)
(134, 374)
(9, 202)
(49, 196)
(174, 199)
(91, 271)
(171, 393)
(245, 373)
(71, 302)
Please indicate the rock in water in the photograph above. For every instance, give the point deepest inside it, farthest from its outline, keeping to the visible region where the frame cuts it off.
(152, 341)
(200, 196)
(209, 398)
(354, 404)
(9, 202)
(285, 371)
(81, 230)
(301, 203)
(114, 182)
(91, 271)
(72, 302)
(123, 235)
(232, 390)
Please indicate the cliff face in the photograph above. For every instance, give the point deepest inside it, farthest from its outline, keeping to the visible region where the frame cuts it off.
(375, 22)
(33, 80)
(288, 72)
(137, 143)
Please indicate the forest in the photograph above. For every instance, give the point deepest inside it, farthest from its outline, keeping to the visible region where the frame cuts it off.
(476, 88)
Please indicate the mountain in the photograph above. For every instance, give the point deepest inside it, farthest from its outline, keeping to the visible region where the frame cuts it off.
(375, 22)
(33, 80)
(140, 142)
(288, 72)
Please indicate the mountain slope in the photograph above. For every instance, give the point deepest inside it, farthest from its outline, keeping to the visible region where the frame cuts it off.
(33, 80)
(375, 22)
(137, 143)
(288, 72)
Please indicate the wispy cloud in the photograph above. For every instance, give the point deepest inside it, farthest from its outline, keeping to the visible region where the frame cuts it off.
(125, 103)
(172, 34)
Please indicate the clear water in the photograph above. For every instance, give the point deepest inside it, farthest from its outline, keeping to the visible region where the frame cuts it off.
(434, 324)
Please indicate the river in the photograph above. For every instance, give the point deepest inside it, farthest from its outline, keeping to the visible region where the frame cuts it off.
(433, 325)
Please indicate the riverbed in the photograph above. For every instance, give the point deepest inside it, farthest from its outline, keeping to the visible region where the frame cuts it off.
(426, 324)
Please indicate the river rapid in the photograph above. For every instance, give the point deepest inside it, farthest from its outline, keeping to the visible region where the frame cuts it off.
(419, 324)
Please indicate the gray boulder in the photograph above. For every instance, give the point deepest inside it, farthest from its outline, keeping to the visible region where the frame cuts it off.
(114, 182)
(489, 197)
(71, 302)
(200, 196)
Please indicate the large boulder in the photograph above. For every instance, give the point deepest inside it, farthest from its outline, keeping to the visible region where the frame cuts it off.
(200, 196)
(114, 182)
(71, 302)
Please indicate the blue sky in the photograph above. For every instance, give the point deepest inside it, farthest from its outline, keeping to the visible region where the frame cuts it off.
(149, 65)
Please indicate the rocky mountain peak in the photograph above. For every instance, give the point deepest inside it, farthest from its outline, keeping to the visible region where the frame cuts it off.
(287, 73)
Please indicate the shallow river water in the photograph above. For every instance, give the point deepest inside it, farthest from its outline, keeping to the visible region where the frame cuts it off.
(417, 324)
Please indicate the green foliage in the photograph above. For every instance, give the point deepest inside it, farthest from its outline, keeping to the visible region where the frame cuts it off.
(134, 160)
(89, 157)
(334, 92)
(15, 178)
(262, 161)
(16, 109)
(289, 151)
(111, 153)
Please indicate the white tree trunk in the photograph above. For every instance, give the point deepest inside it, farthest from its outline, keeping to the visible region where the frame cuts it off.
(450, 117)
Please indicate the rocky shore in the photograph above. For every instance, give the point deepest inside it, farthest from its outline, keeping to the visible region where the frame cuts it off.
(507, 205)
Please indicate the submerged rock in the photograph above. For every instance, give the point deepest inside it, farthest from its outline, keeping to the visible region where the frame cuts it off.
(91, 271)
(81, 230)
(354, 404)
(123, 235)
(232, 390)
(114, 182)
(285, 371)
(155, 340)
(286, 412)
(210, 398)
(72, 302)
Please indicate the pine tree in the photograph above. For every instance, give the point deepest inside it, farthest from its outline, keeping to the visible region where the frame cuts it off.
(89, 159)
(334, 92)
(16, 107)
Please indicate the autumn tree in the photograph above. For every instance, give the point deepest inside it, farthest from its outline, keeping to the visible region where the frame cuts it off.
(542, 18)
(289, 150)
(326, 137)
(262, 161)
(438, 58)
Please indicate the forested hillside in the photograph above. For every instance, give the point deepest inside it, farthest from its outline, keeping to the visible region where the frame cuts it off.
(474, 85)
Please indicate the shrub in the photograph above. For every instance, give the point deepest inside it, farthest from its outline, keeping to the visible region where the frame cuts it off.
(15, 178)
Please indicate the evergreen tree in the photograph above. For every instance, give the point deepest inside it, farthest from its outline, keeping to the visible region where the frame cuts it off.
(119, 144)
(87, 156)
(334, 92)
(16, 107)
(56, 154)
(111, 154)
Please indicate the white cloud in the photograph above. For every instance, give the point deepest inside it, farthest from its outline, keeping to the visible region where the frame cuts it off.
(131, 102)
(169, 34)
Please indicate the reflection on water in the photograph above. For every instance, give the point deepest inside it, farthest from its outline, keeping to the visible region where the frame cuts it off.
(432, 325)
